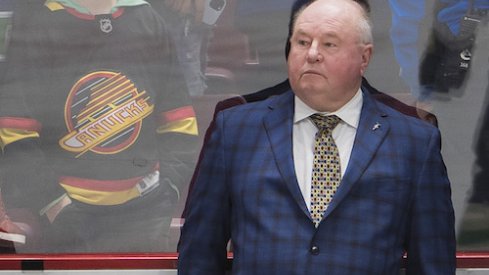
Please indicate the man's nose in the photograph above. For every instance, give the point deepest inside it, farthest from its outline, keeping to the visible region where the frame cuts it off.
(313, 54)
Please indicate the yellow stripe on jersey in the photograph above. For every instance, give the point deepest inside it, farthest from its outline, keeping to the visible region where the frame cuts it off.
(53, 6)
(95, 197)
(185, 126)
(8, 136)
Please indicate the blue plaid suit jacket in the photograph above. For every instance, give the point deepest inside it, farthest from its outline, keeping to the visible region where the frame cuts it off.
(394, 198)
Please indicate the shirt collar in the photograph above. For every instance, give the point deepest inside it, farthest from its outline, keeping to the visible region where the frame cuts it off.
(349, 113)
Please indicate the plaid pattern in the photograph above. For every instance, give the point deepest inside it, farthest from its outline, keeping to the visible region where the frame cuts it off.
(394, 197)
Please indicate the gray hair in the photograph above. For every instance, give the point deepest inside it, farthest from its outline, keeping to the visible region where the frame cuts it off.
(364, 24)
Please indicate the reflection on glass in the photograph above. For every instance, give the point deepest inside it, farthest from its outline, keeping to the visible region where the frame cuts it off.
(97, 126)
(98, 113)
(454, 80)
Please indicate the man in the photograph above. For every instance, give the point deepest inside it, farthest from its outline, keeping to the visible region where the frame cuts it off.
(96, 125)
(256, 185)
(447, 59)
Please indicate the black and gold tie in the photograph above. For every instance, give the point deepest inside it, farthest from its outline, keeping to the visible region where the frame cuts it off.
(326, 171)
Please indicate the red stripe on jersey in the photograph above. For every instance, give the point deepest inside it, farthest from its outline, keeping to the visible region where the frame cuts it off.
(27, 124)
(103, 185)
(84, 16)
(176, 115)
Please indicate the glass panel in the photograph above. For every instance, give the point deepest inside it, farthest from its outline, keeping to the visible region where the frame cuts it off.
(102, 117)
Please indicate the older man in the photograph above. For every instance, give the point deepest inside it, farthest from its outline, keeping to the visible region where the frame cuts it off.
(322, 179)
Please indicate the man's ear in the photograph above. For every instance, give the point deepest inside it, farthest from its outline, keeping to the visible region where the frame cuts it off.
(287, 48)
(367, 52)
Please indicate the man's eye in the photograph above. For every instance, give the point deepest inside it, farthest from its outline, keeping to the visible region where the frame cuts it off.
(329, 45)
(303, 42)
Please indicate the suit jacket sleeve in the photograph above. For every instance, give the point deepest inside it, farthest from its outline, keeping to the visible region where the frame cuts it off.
(431, 237)
(205, 234)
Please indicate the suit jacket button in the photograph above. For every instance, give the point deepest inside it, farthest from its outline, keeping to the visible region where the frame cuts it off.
(314, 250)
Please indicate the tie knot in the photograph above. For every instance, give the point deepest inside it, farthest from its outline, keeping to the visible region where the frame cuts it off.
(325, 122)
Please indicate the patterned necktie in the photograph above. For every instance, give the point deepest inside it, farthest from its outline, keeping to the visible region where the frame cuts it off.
(326, 172)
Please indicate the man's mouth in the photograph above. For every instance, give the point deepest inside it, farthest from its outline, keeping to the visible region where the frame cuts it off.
(311, 72)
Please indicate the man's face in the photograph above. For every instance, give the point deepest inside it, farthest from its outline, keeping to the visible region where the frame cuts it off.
(327, 57)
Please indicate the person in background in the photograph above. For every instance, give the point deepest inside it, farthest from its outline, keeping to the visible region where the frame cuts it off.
(480, 190)
(406, 17)
(6, 11)
(322, 178)
(190, 31)
(446, 61)
(96, 126)
(11, 233)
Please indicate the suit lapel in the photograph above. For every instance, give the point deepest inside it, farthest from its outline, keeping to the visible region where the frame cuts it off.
(278, 125)
(372, 129)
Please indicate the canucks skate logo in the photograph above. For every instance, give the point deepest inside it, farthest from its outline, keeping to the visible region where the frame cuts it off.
(103, 114)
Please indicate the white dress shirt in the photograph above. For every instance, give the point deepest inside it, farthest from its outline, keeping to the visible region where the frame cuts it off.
(304, 132)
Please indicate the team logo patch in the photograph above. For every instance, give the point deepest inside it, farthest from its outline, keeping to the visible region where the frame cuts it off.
(105, 25)
(104, 113)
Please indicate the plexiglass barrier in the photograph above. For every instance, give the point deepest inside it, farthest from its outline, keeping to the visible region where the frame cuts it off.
(102, 117)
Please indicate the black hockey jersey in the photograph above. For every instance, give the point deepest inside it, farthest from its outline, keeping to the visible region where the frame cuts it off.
(103, 99)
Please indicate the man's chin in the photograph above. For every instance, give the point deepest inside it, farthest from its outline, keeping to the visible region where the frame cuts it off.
(313, 88)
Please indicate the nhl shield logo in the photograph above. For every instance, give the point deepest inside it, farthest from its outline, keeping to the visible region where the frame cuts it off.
(105, 25)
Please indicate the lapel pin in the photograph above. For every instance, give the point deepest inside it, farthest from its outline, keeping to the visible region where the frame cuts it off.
(376, 126)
